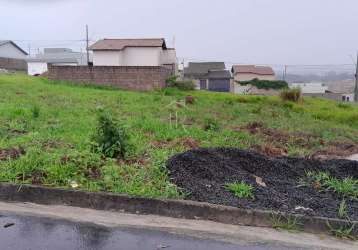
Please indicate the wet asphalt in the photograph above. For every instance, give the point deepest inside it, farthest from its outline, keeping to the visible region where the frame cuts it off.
(32, 233)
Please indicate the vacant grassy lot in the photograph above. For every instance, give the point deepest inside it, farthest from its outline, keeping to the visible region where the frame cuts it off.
(46, 129)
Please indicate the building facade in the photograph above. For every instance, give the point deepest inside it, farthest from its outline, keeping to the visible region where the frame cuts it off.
(243, 73)
(8, 49)
(134, 52)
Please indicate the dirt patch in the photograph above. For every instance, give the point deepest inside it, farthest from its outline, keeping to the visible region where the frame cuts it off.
(270, 150)
(93, 173)
(11, 153)
(282, 139)
(189, 100)
(336, 150)
(203, 174)
(36, 177)
(277, 143)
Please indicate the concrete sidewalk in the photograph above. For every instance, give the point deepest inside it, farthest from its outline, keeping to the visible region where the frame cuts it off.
(62, 227)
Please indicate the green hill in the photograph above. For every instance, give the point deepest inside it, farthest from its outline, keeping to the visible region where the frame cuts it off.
(46, 129)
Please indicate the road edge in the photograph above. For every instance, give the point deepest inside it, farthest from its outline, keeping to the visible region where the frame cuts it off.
(165, 207)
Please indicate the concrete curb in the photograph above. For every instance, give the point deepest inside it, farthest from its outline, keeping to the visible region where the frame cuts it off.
(169, 208)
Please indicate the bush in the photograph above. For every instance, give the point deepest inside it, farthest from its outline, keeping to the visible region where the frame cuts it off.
(265, 84)
(182, 85)
(111, 138)
(293, 95)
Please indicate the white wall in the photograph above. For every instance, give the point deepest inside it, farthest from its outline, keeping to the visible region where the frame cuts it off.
(107, 58)
(142, 56)
(310, 88)
(10, 51)
(242, 89)
(129, 57)
(169, 56)
(36, 68)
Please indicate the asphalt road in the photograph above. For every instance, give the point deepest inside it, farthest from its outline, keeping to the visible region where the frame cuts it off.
(35, 233)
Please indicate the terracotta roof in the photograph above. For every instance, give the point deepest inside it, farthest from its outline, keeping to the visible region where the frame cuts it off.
(258, 70)
(120, 44)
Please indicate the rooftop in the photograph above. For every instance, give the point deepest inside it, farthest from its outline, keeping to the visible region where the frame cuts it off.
(203, 68)
(120, 44)
(3, 42)
(253, 69)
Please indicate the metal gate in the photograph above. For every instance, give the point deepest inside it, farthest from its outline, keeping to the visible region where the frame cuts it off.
(219, 85)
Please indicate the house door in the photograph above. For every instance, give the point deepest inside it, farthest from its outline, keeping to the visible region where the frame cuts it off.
(203, 84)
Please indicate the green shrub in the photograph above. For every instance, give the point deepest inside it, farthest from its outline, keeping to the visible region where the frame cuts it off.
(186, 85)
(240, 189)
(111, 138)
(265, 84)
(293, 95)
(171, 79)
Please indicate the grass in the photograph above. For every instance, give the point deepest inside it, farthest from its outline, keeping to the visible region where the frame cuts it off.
(54, 123)
(347, 187)
(342, 210)
(343, 232)
(285, 223)
(241, 190)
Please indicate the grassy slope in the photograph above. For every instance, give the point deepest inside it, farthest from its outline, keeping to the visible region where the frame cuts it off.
(58, 120)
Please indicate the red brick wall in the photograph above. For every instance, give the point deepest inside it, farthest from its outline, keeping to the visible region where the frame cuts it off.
(131, 78)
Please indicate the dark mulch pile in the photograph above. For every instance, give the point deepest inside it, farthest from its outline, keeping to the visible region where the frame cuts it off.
(203, 173)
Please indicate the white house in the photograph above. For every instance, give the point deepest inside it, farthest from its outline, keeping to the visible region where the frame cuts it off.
(310, 88)
(133, 52)
(55, 56)
(9, 49)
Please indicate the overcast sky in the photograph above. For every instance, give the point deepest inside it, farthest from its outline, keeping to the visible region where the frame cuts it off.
(240, 31)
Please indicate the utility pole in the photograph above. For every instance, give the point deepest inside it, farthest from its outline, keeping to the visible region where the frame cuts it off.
(87, 44)
(284, 73)
(356, 86)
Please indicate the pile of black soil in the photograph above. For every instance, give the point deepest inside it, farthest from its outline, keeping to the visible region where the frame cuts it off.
(203, 174)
